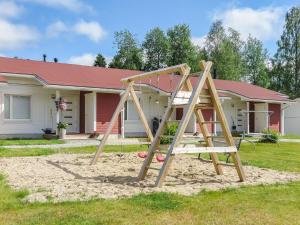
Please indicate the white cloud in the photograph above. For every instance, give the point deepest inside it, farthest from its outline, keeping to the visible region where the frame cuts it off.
(14, 36)
(55, 29)
(9, 9)
(85, 59)
(199, 41)
(73, 5)
(92, 30)
(263, 23)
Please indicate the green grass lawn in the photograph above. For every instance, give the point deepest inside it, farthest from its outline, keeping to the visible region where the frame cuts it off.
(274, 204)
(13, 152)
(290, 136)
(8, 142)
(283, 157)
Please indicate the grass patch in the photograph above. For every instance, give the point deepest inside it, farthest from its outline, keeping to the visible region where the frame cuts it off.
(18, 152)
(9, 142)
(283, 157)
(157, 201)
(274, 204)
(290, 136)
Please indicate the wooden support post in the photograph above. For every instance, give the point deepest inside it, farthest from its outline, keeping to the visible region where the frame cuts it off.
(183, 123)
(207, 137)
(224, 124)
(112, 123)
(160, 131)
(141, 114)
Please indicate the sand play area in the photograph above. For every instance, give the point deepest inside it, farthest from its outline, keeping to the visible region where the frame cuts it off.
(64, 177)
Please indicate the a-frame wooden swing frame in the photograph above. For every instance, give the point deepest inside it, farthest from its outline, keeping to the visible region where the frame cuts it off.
(199, 99)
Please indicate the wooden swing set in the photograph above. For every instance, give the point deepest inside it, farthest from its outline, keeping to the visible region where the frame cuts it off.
(200, 98)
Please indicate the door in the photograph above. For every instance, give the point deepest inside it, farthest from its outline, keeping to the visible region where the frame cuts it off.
(70, 116)
(260, 117)
(89, 113)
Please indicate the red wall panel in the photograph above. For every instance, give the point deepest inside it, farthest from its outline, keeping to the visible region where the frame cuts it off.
(208, 115)
(274, 123)
(106, 105)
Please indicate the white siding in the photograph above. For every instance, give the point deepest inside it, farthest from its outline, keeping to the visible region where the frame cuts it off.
(292, 118)
(232, 109)
(43, 110)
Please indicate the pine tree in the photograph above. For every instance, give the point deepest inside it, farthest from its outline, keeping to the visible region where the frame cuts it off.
(100, 61)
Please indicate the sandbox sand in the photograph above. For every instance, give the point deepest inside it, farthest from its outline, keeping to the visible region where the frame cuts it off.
(68, 177)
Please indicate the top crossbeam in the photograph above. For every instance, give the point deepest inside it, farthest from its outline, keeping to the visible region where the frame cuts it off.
(169, 70)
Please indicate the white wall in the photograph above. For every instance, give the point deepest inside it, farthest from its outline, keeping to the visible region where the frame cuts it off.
(232, 109)
(153, 105)
(43, 110)
(292, 118)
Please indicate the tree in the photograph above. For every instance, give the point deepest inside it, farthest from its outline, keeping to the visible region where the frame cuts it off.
(155, 48)
(129, 55)
(100, 61)
(255, 59)
(181, 49)
(286, 62)
(224, 50)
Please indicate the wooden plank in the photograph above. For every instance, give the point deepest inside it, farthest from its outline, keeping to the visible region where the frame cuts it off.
(141, 114)
(182, 150)
(112, 123)
(164, 71)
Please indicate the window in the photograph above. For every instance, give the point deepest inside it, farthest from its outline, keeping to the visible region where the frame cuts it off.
(17, 107)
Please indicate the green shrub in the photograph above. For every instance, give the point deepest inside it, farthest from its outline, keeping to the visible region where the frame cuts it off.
(170, 132)
(269, 136)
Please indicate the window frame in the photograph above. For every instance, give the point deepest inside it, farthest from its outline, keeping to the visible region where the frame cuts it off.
(11, 107)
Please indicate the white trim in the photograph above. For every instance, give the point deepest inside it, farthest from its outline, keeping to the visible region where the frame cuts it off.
(282, 108)
(248, 117)
(102, 90)
(95, 111)
(30, 76)
(253, 99)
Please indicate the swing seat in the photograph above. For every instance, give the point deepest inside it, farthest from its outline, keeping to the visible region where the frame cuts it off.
(142, 155)
(160, 158)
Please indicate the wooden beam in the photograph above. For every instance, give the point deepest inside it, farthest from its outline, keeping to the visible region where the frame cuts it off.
(227, 133)
(112, 123)
(164, 71)
(182, 150)
(141, 114)
(183, 123)
(161, 128)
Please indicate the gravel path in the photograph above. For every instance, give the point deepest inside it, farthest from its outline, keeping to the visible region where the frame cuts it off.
(64, 177)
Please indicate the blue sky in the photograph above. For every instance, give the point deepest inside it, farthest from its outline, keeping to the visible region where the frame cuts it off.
(75, 31)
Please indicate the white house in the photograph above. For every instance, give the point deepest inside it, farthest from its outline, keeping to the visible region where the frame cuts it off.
(30, 89)
(292, 118)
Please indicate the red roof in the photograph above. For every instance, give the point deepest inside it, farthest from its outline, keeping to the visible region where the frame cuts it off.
(97, 77)
(2, 79)
(66, 74)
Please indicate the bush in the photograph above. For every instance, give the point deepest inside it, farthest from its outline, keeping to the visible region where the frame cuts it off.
(169, 134)
(269, 136)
